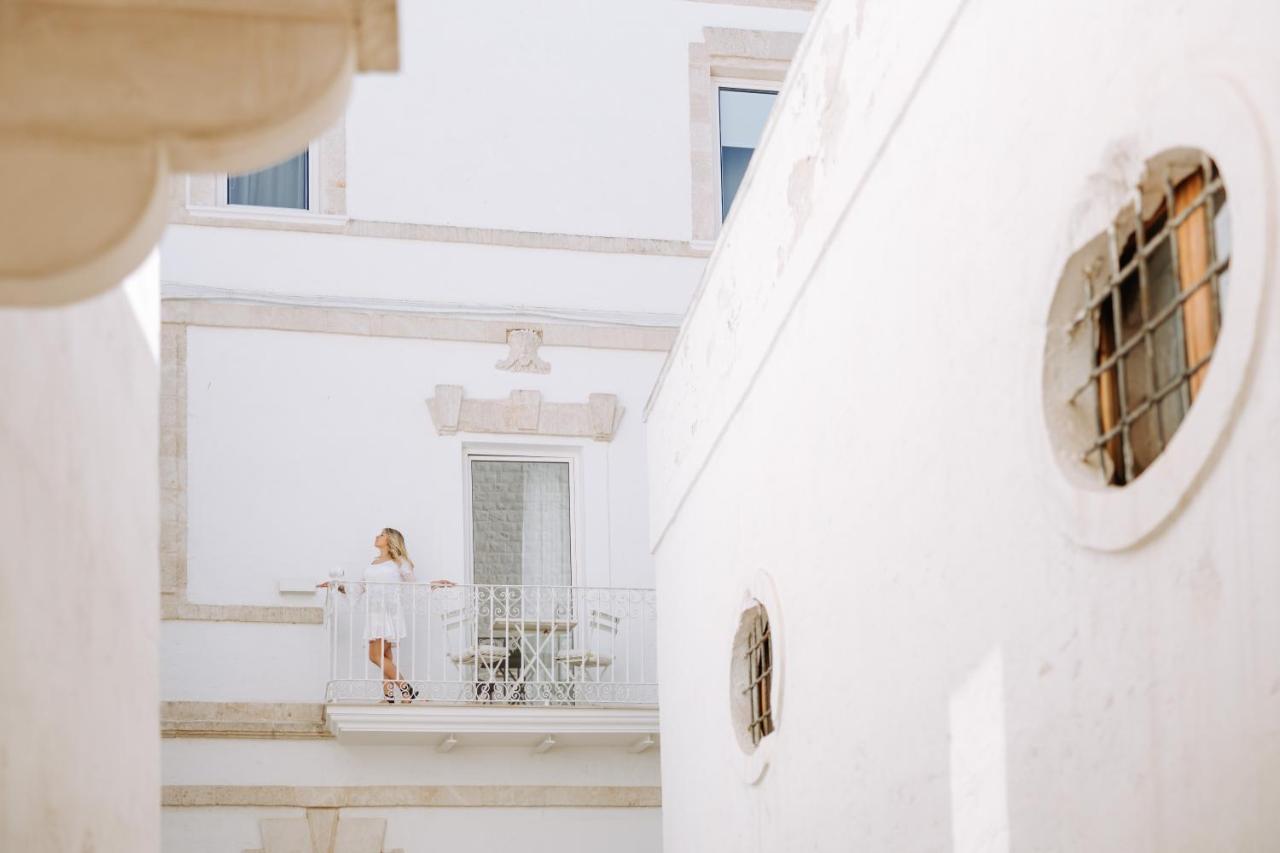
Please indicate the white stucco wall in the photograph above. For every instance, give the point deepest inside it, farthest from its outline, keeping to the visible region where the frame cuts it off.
(855, 408)
(571, 120)
(443, 275)
(78, 564)
(301, 447)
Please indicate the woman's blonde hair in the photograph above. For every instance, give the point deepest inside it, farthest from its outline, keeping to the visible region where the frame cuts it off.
(396, 547)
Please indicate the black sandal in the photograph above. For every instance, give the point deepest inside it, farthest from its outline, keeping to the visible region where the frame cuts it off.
(388, 694)
(408, 689)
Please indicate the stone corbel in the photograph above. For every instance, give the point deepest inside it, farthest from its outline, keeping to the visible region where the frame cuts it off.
(101, 102)
(322, 832)
(524, 413)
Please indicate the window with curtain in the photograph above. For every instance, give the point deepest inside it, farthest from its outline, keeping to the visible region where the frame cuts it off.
(743, 113)
(1156, 317)
(282, 185)
(520, 527)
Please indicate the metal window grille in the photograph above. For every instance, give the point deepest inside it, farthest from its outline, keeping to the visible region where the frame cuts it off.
(1138, 304)
(759, 675)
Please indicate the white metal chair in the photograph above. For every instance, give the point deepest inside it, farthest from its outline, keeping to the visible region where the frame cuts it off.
(481, 657)
(597, 654)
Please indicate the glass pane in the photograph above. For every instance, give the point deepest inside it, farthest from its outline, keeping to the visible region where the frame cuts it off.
(1144, 438)
(281, 185)
(520, 531)
(1170, 350)
(743, 114)
(1162, 287)
(1137, 377)
(1222, 243)
(1130, 309)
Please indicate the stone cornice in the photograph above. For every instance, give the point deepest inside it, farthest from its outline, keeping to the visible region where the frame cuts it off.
(408, 796)
(506, 237)
(184, 305)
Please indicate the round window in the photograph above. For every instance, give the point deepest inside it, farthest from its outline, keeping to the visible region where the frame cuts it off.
(1139, 311)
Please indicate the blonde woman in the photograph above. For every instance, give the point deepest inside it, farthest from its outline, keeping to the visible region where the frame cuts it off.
(385, 626)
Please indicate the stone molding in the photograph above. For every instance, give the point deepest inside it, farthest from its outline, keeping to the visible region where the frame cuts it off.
(392, 319)
(273, 720)
(508, 238)
(92, 97)
(322, 831)
(524, 413)
(724, 53)
(412, 796)
(173, 503)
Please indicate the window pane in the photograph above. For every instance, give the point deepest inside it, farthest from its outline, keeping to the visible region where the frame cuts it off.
(520, 523)
(281, 185)
(743, 115)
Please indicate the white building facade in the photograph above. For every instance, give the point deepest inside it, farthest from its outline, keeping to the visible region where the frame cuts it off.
(444, 317)
(1010, 605)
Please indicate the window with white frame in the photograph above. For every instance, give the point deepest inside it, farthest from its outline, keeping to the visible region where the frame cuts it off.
(284, 185)
(742, 115)
(521, 521)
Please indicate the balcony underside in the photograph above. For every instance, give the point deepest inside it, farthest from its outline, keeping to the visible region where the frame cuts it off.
(445, 726)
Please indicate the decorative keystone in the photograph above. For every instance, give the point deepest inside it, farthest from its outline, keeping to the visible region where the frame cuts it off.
(523, 357)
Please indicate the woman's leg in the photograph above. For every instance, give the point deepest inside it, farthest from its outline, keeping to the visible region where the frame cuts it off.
(389, 663)
(379, 653)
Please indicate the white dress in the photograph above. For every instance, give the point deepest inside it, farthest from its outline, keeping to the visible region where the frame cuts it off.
(382, 607)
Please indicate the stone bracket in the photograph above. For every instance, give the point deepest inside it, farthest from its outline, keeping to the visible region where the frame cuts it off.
(524, 413)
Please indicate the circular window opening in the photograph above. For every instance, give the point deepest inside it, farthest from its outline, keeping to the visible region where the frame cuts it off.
(752, 678)
(1141, 306)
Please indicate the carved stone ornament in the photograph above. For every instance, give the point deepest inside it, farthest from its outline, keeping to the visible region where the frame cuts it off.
(321, 831)
(524, 413)
(523, 357)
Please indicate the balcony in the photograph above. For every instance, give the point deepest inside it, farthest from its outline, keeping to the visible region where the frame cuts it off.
(544, 666)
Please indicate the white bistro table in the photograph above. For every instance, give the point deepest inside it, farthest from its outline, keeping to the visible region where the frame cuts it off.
(535, 638)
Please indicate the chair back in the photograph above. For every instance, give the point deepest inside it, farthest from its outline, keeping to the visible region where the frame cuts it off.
(602, 631)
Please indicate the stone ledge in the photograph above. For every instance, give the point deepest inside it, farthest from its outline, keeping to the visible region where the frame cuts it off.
(509, 238)
(275, 720)
(174, 607)
(422, 796)
(188, 306)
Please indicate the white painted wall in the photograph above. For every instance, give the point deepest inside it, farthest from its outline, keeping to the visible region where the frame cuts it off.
(443, 275)
(571, 120)
(217, 830)
(855, 408)
(78, 564)
(301, 447)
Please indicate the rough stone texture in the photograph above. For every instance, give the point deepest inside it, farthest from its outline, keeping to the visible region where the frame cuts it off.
(243, 719)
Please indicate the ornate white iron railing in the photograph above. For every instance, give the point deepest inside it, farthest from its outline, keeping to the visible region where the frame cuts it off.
(493, 644)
